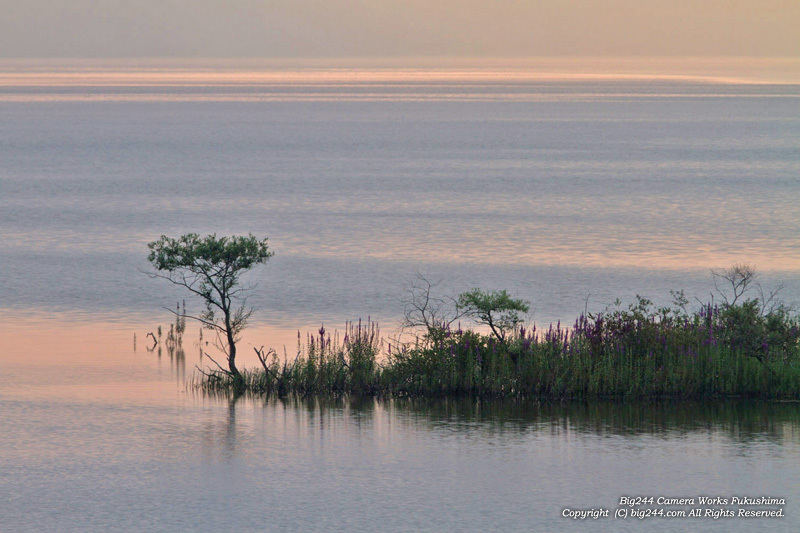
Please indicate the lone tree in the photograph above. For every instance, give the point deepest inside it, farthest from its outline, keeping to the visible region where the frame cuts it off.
(211, 267)
(495, 309)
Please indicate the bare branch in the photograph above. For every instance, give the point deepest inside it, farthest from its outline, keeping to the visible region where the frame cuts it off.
(423, 309)
(769, 301)
(210, 325)
(737, 278)
(218, 365)
(262, 357)
(155, 341)
(212, 375)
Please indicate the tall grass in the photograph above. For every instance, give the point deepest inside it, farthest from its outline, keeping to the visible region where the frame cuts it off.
(638, 352)
(326, 364)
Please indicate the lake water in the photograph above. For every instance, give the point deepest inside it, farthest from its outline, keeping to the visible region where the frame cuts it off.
(569, 190)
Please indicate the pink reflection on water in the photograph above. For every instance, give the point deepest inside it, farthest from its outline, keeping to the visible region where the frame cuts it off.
(48, 357)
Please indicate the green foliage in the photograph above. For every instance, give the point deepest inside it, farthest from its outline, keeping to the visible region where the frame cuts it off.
(495, 309)
(324, 365)
(641, 351)
(215, 263)
(769, 336)
(638, 352)
(211, 267)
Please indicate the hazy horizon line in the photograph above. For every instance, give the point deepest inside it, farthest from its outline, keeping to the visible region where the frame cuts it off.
(731, 69)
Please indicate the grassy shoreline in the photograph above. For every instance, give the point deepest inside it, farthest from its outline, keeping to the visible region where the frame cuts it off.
(635, 353)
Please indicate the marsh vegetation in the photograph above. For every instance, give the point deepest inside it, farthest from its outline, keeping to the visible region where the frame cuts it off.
(740, 346)
(638, 352)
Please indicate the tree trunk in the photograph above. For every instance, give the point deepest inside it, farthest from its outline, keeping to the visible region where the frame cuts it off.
(237, 376)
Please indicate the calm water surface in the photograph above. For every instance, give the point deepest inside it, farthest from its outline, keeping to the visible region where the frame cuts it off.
(554, 187)
(98, 437)
(557, 187)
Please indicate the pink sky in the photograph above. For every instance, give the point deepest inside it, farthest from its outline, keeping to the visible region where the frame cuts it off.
(377, 28)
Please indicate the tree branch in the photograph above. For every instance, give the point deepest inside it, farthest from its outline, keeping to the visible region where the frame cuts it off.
(211, 325)
(218, 365)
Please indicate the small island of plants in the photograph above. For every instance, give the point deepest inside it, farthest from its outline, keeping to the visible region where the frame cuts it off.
(741, 346)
